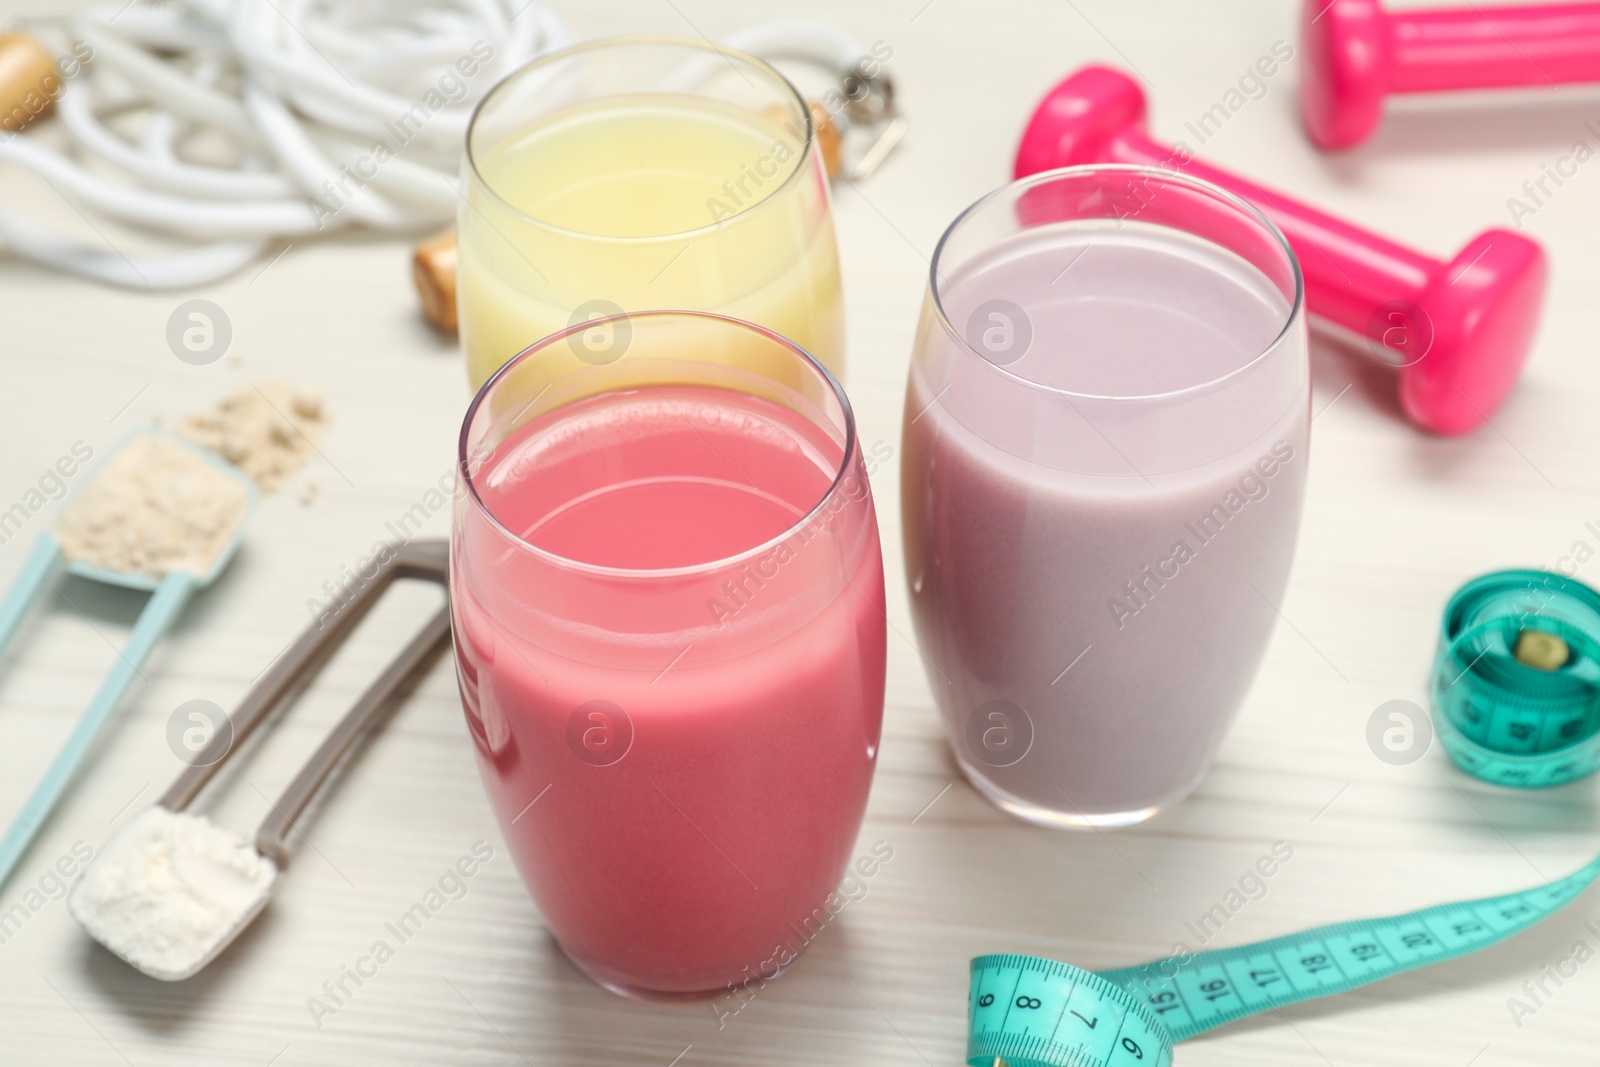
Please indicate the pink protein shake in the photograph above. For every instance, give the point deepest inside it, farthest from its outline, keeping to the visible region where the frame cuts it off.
(667, 597)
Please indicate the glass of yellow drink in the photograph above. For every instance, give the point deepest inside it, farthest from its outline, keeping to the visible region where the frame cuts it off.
(643, 173)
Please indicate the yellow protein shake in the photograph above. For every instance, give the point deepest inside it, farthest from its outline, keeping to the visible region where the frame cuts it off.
(706, 196)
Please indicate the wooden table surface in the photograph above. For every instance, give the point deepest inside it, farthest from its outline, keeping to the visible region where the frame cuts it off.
(1394, 522)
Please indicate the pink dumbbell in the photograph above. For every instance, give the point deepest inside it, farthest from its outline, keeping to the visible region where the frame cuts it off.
(1459, 331)
(1356, 54)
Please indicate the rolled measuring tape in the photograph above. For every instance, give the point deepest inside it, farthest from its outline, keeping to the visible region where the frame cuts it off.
(1516, 695)
(1516, 682)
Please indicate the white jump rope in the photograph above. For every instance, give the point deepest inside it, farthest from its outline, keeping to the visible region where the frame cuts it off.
(302, 90)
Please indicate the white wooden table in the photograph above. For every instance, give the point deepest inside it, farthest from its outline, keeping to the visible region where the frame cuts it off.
(1394, 522)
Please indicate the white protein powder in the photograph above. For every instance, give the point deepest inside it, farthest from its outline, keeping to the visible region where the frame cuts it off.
(155, 507)
(168, 890)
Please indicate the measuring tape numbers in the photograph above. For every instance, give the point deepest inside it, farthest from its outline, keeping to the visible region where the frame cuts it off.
(1516, 702)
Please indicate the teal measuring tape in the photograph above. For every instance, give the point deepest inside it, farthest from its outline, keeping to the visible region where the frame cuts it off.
(1516, 702)
(1501, 719)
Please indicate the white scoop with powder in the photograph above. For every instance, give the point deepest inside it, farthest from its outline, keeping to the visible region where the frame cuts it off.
(170, 890)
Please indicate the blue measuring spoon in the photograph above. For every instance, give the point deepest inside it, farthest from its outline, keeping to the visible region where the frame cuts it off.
(169, 595)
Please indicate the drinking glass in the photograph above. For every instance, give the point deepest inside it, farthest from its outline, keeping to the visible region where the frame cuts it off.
(1104, 462)
(635, 173)
(667, 597)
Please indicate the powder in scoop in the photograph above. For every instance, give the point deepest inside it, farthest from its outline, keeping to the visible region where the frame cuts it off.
(269, 430)
(155, 507)
(169, 890)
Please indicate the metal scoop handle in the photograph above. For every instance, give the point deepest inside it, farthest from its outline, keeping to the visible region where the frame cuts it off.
(425, 560)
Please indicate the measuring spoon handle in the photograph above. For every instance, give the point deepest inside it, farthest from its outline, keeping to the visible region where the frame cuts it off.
(163, 608)
(25, 588)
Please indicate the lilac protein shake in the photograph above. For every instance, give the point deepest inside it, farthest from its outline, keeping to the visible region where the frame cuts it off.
(1103, 467)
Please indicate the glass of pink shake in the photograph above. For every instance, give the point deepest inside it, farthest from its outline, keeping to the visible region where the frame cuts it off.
(667, 595)
(1105, 452)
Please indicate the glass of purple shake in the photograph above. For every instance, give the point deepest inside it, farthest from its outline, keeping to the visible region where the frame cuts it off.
(1104, 461)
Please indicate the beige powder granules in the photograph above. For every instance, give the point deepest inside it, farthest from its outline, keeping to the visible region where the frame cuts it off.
(154, 508)
(269, 430)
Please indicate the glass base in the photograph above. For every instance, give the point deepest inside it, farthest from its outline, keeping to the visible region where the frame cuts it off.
(656, 996)
(1071, 819)
(649, 996)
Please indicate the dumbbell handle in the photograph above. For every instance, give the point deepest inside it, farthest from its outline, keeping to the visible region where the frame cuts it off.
(1348, 271)
(1493, 47)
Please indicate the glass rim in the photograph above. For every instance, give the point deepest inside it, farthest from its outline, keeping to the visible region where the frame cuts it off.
(1244, 207)
(629, 40)
(465, 472)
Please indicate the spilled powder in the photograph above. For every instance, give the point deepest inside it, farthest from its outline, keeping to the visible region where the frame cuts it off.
(269, 430)
(169, 890)
(154, 508)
